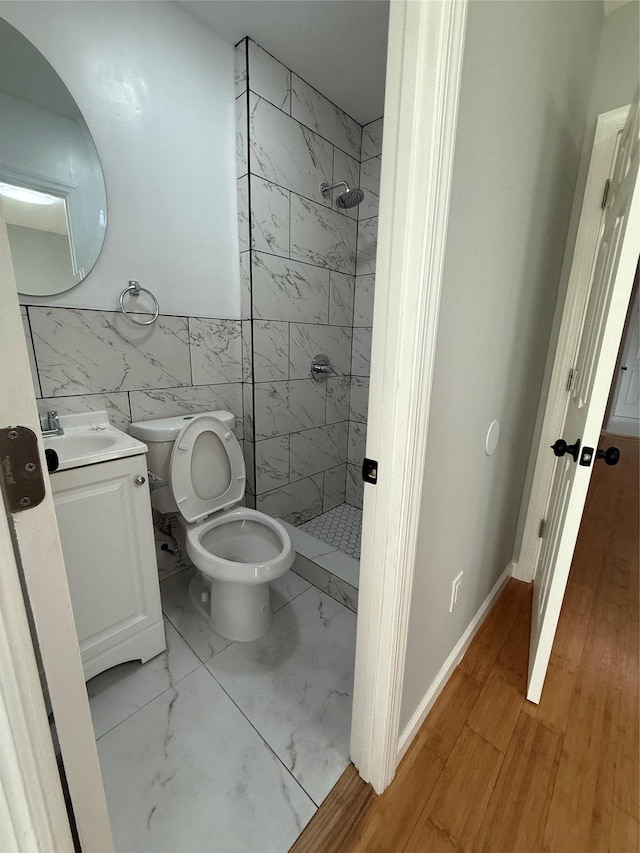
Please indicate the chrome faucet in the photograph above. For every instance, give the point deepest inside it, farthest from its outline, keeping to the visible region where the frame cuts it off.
(52, 424)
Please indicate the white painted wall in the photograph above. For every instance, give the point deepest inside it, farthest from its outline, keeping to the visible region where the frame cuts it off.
(156, 90)
(527, 77)
(618, 68)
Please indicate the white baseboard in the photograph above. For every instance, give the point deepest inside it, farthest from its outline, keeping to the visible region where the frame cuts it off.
(520, 574)
(438, 684)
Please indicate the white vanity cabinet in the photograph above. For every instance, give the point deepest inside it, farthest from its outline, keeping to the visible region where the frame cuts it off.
(104, 517)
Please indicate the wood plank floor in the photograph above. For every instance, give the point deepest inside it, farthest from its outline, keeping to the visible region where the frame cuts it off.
(490, 772)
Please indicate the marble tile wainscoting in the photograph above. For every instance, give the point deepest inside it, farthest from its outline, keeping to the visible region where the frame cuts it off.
(307, 272)
(88, 360)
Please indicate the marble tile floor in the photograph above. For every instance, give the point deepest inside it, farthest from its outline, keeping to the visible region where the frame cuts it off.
(219, 746)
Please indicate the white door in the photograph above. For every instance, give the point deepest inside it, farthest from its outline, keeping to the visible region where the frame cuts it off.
(611, 280)
(37, 545)
(32, 809)
(625, 414)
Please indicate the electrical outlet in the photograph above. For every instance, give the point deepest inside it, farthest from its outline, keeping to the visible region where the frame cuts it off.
(455, 591)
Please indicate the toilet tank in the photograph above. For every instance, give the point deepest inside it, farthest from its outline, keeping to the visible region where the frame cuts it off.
(159, 436)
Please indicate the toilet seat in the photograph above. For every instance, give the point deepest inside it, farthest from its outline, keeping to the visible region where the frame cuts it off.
(207, 468)
(270, 560)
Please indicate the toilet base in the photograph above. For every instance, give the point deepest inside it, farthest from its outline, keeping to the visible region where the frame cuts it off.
(237, 611)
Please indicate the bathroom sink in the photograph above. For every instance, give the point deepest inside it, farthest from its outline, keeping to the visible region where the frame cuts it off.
(90, 438)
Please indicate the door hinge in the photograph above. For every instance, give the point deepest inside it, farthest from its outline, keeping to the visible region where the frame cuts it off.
(20, 473)
(570, 380)
(605, 194)
(542, 528)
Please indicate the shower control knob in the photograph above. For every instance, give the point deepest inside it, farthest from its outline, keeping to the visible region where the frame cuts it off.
(321, 368)
(140, 481)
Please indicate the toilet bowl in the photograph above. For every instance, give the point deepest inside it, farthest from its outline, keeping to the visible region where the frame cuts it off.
(197, 468)
(239, 551)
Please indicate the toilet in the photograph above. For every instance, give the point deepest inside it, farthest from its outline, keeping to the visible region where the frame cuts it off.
(196, 468)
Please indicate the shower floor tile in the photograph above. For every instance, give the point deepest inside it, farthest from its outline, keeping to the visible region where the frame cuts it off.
(341, 527)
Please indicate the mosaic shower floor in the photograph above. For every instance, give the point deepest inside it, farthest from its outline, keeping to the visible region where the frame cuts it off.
(340, 527)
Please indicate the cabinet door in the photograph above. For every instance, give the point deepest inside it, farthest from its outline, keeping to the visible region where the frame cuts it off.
(107, 540)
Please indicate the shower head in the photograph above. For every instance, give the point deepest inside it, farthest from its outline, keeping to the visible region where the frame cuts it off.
(348, 198)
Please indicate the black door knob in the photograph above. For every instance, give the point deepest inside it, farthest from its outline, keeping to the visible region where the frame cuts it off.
(560, 447)
(611, 455)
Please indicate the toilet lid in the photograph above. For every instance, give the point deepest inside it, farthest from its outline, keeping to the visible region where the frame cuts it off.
(207, 469)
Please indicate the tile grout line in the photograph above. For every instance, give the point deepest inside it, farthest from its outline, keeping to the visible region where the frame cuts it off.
(162, 692)
(200, 664)
(295, 597)
(172, 686)
(262, 738)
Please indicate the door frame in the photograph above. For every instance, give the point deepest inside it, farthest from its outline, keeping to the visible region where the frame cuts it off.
(569, 313)
(424, 71)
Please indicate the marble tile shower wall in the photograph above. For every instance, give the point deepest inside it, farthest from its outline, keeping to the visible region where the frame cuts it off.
(303, 276)
(85, 360)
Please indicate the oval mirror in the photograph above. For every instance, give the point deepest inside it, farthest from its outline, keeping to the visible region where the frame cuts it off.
(52, 189)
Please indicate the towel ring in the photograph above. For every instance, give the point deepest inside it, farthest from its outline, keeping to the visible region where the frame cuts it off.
(135, 290)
